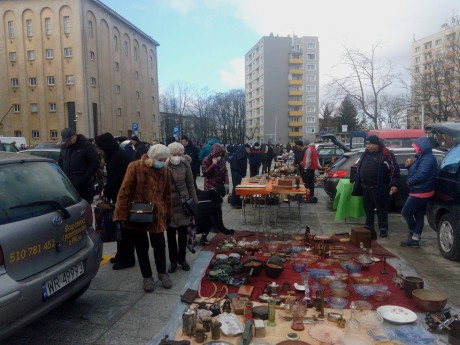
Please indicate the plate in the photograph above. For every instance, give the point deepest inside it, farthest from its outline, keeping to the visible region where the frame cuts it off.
(322, 237)
(299, 287)
(354, 339)
(325, 333)
(396, 314)
(231, 324)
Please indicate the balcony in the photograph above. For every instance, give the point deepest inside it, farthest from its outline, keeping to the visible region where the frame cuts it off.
(295, 103)
(295, 93)
(296, 71)
(296, 82)
(295, 113)
(295, 134)
(296, 61)
(295, 124)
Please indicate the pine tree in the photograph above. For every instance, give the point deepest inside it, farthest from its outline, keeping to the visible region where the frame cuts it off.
(347, 114)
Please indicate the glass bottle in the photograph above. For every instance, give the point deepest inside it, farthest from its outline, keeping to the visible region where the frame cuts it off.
(352, 325)
(271, 312)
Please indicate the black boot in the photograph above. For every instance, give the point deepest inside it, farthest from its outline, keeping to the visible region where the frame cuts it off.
(226, 231)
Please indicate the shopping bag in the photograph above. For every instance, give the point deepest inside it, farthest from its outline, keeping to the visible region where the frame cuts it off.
(105, 226)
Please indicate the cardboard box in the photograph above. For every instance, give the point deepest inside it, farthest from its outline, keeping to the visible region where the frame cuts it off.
(359, 235)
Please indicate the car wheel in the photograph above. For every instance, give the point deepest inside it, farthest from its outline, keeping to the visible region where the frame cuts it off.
(79, 292)
(449, 238)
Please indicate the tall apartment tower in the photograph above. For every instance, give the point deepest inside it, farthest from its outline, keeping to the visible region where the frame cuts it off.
(433, 58)
(77, 64)
(282, 89)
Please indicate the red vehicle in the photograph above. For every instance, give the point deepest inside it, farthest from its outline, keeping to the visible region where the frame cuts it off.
(397, 137)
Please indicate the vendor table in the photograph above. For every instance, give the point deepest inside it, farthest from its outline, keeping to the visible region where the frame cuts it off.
(345, 204)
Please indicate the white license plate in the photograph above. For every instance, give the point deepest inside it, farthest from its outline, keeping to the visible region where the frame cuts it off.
(52, 286)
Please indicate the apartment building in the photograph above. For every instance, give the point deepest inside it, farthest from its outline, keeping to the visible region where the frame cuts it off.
(435, 76)
(77, 64)
(282, 89)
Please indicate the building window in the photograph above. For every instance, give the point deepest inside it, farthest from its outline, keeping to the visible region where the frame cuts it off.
(10, 29)
(52, 107)
(417, 49)
(90, 29)
(47, 26)
(66, 24)
(136, 74)
(311, 45)
(311, 99)
(310, 130)
(69, 79)
(417, 59)
(32, 81)
(34, 107)
(310, 88)
(135, 53)
(438, 42)
(311, 77)
(36, 134)
(49, 54)
(50, 80)
(138, 114)
(16, 108)
(93, 81)
(137, 95)
(29, 28)
(12, 56)
(126, 48)
(17, 133)
(115, 41)
(119, 111)
(311, 67)
(311, 56)
(53, 134)
(31, 55)
(117, 66)
(310, 119)
(68, 52)
(91, 55)
(427, 45)
(14, 82)
(117, 88)
(310, 109)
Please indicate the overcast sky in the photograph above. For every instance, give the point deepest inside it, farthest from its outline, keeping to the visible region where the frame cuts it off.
(203, 42)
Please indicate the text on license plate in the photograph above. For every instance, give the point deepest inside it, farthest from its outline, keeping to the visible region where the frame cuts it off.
(57, 283)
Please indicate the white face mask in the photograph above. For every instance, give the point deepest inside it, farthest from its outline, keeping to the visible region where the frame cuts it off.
(175, 160)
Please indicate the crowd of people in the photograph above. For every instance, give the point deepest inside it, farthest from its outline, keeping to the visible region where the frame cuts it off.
(165, 176)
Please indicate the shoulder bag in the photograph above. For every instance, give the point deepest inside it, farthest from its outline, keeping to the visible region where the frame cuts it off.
(141, 214)
(188, 204)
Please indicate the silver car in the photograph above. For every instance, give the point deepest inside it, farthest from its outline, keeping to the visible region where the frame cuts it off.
(49, 251)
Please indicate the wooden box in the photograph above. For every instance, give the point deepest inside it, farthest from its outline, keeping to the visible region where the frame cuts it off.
(359, 235)
(239, 304)
(285, 183)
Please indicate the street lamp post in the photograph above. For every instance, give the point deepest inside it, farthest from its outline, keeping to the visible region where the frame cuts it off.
(423, 115)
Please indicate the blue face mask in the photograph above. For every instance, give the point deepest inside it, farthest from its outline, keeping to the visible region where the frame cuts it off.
(159, 164)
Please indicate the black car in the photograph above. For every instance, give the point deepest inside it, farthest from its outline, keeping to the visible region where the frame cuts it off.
(443, 211)
(346, 164)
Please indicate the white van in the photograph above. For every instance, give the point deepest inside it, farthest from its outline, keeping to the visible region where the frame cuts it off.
(17, 140)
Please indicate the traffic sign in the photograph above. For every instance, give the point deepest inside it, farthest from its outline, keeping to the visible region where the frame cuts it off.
(135, 127)
(175, 131)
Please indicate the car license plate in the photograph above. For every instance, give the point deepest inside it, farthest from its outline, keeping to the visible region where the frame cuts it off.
(52, 286)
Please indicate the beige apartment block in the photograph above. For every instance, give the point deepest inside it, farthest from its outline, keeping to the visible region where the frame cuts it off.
(282, 89)
(77, 64)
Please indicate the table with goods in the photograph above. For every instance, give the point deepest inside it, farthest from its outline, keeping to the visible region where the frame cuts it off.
(313, 289)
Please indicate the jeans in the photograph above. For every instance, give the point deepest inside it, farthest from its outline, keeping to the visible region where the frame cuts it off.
(236, 180)
(141, 243)
(254, 169)
(177, 249)
(370, 205)
(414, 211)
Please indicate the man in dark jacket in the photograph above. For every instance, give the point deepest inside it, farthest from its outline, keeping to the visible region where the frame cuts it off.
(138, 147)
(79, 161)
(267, 156)
(255, 157)
(192, 151)
(238, 167)
(377, 178)
(116, 164)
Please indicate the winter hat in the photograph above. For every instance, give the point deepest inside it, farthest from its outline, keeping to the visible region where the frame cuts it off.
(67, 134)
(176, 148)
(373, 139)
(158, 151)
(135, 138)
(106, 142)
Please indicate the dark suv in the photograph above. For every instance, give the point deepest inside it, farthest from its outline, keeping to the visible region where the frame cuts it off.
(443, 211)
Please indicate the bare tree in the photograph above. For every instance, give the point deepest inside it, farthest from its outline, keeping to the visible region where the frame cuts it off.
(326, 111)
(176, 99)
(201, 107)
(393, 110)
(366, 81)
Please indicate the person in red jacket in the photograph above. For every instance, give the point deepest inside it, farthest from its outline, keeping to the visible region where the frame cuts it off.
(215, 169)
(309, 165)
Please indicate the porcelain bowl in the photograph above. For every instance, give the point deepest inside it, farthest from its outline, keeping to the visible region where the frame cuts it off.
(338, 285)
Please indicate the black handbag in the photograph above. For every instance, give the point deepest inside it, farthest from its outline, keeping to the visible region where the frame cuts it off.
(188, 204)
(141, 214)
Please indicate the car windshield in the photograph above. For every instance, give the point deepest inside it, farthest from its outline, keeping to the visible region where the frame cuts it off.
(31, 189)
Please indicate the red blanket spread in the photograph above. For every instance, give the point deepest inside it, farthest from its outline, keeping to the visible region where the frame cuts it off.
(212, 288)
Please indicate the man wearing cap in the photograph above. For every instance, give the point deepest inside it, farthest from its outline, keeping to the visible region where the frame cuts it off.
(79, 161)
(138, 147)
(377, 178)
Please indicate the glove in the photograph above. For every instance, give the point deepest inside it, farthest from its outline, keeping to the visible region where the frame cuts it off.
(226, 188)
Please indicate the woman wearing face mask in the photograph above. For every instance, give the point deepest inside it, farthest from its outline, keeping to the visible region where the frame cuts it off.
(147, 180)
(182, 187)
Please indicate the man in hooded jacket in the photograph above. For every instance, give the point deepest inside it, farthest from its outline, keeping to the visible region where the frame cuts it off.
(116, 164)
(206, 150)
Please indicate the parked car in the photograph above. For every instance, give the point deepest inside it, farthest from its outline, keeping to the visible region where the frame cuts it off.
(346, 165)
(52, 153)
(328, 154)
(48, 144)
(8, 147)
(49, 251)
(443, 211)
